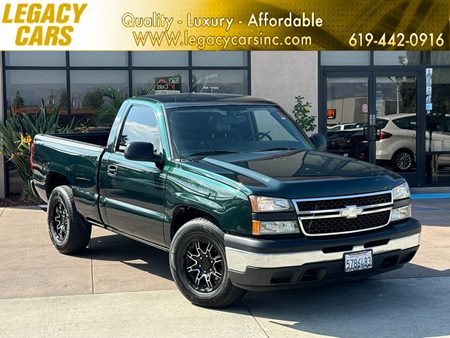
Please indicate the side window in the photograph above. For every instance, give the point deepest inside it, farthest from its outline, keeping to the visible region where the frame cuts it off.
(406, 123)
(140, 125)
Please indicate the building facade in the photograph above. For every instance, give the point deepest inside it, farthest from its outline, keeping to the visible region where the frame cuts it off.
(390, 108)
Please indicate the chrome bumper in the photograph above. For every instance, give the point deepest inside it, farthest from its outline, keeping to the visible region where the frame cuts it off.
(239, 260)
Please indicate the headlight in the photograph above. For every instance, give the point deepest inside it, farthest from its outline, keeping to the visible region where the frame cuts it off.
(267, 204)
(401, 213)
(274, 227)
(401, 191)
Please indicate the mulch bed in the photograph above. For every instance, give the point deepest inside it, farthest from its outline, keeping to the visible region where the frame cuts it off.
(18, 201)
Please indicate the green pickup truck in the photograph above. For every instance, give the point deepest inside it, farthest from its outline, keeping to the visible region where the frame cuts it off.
(240, 197)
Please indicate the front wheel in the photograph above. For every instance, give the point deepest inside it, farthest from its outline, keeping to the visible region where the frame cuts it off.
(199, 267)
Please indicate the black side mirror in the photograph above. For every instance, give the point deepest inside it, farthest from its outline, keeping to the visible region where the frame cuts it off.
(319, 141)
(142, 151)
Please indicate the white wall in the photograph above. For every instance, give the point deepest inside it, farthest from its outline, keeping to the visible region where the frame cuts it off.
(282, 75)
(2, 168)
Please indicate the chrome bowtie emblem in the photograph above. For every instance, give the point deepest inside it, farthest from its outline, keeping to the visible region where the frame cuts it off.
(351, 211)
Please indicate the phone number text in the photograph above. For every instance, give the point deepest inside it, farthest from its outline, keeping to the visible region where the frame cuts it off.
(396, 40)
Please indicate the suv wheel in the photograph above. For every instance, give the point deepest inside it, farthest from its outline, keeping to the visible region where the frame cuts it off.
(68, 232)
(199, 267)
(402, 160)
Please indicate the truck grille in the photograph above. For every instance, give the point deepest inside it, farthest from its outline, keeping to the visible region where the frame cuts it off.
(344, 214)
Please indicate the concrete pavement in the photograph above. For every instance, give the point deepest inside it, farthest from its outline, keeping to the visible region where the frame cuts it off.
(124, 288)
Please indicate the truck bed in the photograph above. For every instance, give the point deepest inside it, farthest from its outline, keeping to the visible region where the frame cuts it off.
(97, 137)
(72, 159)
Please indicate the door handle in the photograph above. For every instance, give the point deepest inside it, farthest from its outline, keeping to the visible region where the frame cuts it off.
(112, 170)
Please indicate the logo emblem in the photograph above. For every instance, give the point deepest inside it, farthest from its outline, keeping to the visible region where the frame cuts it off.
(351, 211)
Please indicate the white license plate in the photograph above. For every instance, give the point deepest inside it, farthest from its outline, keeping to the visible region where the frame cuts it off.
(356, 261)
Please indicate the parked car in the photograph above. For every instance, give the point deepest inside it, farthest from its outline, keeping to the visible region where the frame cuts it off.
(396, 140)
(344, 126)
(240, 197)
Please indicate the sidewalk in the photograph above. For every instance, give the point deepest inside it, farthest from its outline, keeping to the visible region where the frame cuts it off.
(123, 288)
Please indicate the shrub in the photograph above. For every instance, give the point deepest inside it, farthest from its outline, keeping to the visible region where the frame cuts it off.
(19, 130)
(302, 117)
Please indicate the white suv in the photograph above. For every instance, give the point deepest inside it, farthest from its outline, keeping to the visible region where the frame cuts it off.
(396, 140)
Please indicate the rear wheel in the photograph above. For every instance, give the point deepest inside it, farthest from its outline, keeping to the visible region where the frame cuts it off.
(198, 265)
(403, 160)
(68, 232)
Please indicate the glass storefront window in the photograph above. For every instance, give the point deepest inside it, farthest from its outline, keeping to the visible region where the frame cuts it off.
(400, 58)
(341, 58)
(222, 59)
(160, 59)
(25, 90)
(437, 135)
(99, 59)
(220, 81)
(44, 59)
(347, 116)
(438, 119)
(440, 58)
(145, 82)
(89, 104)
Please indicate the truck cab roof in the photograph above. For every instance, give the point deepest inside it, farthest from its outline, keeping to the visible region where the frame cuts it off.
(201, 99)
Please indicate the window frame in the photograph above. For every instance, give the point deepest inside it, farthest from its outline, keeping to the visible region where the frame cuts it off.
(129, 67)
(117, 146)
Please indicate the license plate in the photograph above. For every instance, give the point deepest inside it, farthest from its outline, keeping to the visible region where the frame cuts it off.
(356, 261)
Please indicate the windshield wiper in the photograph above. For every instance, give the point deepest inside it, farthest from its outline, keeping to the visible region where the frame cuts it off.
(278, 148)
(212, 152)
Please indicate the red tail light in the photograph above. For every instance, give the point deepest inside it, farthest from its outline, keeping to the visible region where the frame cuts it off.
(32, 155)
(382, 135)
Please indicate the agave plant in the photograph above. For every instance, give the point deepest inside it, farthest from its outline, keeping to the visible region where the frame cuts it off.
(114, 98)
(107, 112)
(19, 130)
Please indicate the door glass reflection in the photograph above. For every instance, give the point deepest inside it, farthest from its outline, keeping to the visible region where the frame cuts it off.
(347, 116)
(396, 121)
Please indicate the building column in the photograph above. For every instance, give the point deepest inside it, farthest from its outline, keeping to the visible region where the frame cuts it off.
(2, 116)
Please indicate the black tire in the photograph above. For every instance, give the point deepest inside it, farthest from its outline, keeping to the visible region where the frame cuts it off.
(195, 236)
(403, 160)
(68, 232)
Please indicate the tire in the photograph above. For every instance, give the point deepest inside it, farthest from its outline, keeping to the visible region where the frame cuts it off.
(68, 232)
(197, 255)
(403, 160)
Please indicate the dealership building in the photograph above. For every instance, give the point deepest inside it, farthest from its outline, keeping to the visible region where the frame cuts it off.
(391, 108)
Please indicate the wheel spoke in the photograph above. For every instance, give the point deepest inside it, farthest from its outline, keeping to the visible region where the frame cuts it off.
(217, 259)
(208, 249)
(203, 265)
(207, 278)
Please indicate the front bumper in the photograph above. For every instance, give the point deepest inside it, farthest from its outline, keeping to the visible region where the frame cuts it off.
(274, 264)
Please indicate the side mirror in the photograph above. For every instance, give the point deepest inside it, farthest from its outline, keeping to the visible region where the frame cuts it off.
(142, 151)
(319, 141)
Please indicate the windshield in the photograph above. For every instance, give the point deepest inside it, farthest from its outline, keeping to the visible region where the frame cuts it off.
(215, 130)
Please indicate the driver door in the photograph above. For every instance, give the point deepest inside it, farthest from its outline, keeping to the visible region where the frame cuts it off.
(134, 190)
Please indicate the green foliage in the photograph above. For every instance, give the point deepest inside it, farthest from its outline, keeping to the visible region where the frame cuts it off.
(93, 100)
(19, 130)
(63, 100)
(302, 115)
(107, 112)
(18, 101)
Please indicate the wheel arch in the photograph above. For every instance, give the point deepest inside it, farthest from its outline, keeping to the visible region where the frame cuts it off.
(185, 213)
(55, 179)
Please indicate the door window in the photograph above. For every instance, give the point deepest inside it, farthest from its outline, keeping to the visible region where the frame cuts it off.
(141, 125)
(347, 116)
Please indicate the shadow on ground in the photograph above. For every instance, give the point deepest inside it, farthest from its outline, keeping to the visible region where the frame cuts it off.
(372, 308)
(117, 248)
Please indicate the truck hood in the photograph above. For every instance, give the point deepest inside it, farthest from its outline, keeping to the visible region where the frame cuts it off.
(299, 174)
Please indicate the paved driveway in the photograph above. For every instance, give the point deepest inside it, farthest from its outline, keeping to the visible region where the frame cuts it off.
(44, 293)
